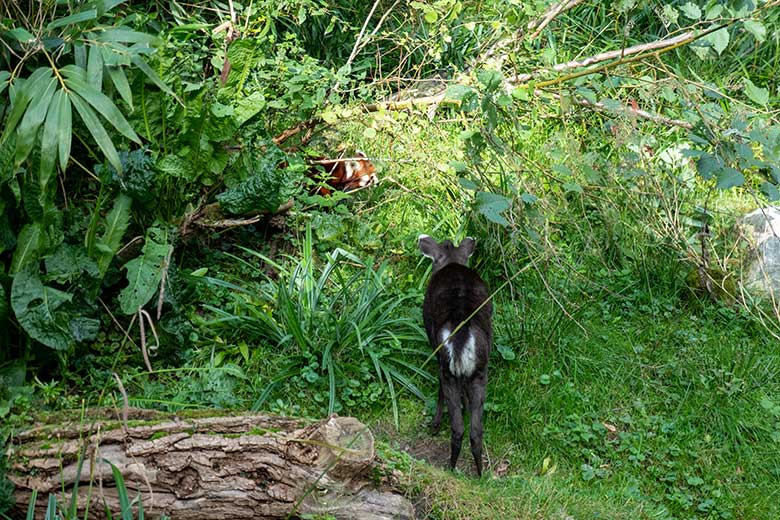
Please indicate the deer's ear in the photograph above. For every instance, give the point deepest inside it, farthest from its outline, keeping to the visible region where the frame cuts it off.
(467, 245)
(428, 246)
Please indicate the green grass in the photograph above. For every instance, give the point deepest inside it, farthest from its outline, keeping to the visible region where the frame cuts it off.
(632, 395)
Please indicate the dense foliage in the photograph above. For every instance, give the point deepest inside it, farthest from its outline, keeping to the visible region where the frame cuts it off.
(601, 156)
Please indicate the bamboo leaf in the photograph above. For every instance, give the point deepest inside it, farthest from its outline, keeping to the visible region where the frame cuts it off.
(95, 68)
(22, 92)
(4, 77)
(74, 71)
(119, 79)
(65, 131)
(82, 16)
(79, 54)
(95, 128)
(51, 132)
(115, 34)
(104, 105)
(32, 120)
(152, 75)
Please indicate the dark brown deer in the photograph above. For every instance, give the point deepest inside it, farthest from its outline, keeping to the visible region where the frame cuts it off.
(457, 321)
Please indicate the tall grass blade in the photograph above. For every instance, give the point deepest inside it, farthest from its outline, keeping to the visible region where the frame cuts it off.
(31, 506)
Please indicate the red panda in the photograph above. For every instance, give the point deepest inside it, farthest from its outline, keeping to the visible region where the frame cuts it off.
(344, 174)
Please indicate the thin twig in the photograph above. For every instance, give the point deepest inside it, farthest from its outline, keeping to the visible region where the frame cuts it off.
(142, 328)
(125, 402)
(163, 279)
(548, 17)
(358, 43)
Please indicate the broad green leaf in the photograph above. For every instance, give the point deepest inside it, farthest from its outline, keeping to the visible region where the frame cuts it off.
(82, 16)
(21, 35)
(119, 79)
(457, 92)
(708, 164)
(83, 329)
(65, 131)
(68, 262)
(587, 94)
(145, 272)
(491, 205)
(713, 11)
(4, 77)
(117, 221)
(4, 308)
(468, 184)
(95, 128)
(522, 93)
(528, 198)
(506, 352)
(28, 246)
(152, 75)
(691, 10)
(32, 120)
(612, 104)
(718, 39)
(770, 190)
(80, 54)
(728, 178)
(110, 4)
(104, 105)
(490, 79)
(51, 132)
(114, 34)
(758, 95)
(756, 28)
(7, 170)
(95, 68)
(38, 309)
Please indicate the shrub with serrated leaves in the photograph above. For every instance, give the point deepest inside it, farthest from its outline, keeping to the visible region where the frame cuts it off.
(137, 179)
(262, 182)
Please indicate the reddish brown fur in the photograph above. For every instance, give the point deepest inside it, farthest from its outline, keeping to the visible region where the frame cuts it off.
(343, 174)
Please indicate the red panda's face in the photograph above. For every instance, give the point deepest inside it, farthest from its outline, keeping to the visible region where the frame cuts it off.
(358, 173)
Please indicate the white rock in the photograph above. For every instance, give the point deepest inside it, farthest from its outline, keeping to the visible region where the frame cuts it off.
(762, 274)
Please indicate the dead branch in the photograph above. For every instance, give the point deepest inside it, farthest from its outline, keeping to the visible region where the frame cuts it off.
(628, 51)
(540, 23)
(626, 111)
(248, 466)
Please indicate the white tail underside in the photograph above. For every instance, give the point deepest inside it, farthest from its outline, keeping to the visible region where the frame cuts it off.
(463, 365)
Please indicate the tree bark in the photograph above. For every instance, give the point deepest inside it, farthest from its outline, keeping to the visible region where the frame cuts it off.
(222, 467)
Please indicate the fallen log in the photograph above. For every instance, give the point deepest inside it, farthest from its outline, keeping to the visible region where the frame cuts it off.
(218, 467)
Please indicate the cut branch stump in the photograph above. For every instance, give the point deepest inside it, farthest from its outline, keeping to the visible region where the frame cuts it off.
(220, 467)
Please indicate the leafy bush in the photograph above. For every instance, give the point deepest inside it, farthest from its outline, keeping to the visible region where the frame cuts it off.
(333, 329)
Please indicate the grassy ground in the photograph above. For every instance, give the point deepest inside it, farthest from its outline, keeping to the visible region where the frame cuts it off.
(617, 389)
(632, 396)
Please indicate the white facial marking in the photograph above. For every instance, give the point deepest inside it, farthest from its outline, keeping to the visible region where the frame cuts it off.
(349, 169)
